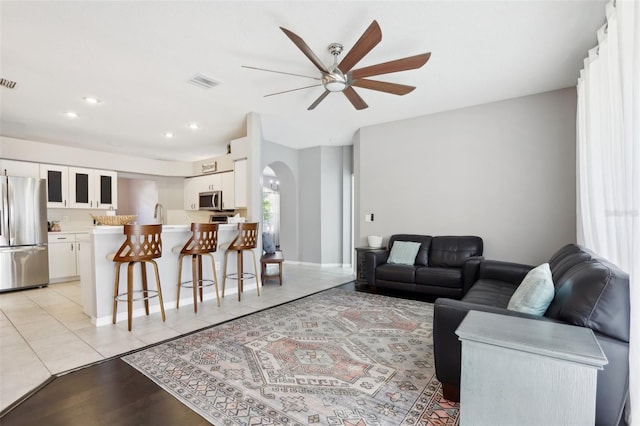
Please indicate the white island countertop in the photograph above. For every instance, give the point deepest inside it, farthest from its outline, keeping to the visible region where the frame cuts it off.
(108, 229)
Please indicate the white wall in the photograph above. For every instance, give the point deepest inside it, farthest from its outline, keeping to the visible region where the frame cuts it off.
(504, 171)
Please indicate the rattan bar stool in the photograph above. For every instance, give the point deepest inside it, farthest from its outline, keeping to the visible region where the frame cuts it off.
(245, 240)
(203, 242)
(143, 244)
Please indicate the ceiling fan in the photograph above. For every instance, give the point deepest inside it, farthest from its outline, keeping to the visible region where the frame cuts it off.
(341, 77)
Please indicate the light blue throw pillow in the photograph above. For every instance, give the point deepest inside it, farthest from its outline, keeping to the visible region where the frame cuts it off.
(535, 292)
(403, 252)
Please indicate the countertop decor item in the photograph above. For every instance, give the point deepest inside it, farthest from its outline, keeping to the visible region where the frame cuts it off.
(114, 220)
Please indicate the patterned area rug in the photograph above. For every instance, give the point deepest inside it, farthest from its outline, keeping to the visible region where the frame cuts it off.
(335, 358)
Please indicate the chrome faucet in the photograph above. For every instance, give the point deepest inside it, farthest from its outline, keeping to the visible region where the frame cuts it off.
(158, 213)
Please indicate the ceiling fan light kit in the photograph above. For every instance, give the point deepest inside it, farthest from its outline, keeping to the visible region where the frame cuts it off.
(341, 77)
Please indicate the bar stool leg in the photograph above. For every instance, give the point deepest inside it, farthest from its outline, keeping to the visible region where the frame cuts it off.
(155, 267)
(240, 274)
(195, 281)
(145, 288)
(200, 278)
(255, 271)
(179, 279)
(130, 294)
(215, 276)
(224, 271)
(116, 291)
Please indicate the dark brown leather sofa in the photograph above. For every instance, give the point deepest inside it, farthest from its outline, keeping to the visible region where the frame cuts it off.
(589, 292)
(444, 266)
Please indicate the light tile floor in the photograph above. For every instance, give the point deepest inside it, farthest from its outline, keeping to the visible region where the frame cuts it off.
(43, 332)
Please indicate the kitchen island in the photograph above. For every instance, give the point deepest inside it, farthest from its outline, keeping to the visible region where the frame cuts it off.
(97, 272)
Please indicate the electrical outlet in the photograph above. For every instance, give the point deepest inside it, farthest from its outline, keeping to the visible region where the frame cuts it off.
(368, 217)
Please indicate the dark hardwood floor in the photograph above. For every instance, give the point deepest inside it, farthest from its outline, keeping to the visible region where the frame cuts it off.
(110, 393)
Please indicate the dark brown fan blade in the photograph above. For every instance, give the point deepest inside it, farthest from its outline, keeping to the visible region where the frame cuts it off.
(383, 86)
(315, 104)
(354, 98)
(306, 50)
(369, 39)
(404, 64)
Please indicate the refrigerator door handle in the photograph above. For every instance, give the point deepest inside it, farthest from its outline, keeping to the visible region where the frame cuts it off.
(17, 249)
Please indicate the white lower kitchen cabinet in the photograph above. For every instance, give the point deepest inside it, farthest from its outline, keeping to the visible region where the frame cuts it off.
(64, 254)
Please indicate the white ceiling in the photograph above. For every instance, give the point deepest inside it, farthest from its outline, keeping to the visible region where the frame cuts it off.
(137, 58)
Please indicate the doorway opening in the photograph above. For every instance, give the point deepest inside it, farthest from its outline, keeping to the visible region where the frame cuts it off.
(271, 205)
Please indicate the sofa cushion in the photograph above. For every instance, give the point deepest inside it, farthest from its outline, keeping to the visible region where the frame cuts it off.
(442, 277)
(563, 252)
(562, 265)
(594, 294)
(404, 252)
(395, 272)
(535, 292)
(452, 251)
(490, 292)
(422, 258)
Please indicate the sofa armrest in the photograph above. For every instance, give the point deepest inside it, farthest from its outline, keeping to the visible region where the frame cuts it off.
(447, 350)
(371, 261)
(512, 273)
(470, 271)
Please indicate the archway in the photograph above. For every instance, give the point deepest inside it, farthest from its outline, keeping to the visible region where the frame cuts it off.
(280, 208)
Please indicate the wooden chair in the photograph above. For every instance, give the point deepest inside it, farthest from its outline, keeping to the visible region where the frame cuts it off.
(245, 240)
(203, 242)
(143, 244)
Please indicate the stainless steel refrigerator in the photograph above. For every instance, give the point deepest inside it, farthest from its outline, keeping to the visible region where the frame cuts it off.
(24, 260)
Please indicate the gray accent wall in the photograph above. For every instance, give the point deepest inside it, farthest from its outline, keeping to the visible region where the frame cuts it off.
(310, 236)
(505, 171)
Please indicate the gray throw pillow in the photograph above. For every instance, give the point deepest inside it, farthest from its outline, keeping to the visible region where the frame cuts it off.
(267, 243)
(403, 252)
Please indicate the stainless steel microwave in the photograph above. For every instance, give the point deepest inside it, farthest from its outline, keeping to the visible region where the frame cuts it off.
(211, 200)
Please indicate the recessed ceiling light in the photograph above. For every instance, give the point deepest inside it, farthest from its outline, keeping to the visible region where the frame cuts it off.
(91, 100)
(193, 126)
(71, 114)
(168, 135)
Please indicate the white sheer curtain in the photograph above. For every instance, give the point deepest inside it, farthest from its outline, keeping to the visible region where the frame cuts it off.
(608, 127)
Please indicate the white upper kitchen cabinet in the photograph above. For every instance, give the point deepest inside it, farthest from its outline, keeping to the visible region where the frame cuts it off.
(57, 184)
(19, 168)
(211, 182)
(192, 188)
(93, 189)
(228, 192)
(80, 188)
(240, 183)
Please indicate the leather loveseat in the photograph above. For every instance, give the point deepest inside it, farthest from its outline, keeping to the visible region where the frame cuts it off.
(444, 266)
(589, 292)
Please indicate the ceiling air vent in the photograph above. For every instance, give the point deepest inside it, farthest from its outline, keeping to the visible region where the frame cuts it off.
(7, 83)
(203, 81)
